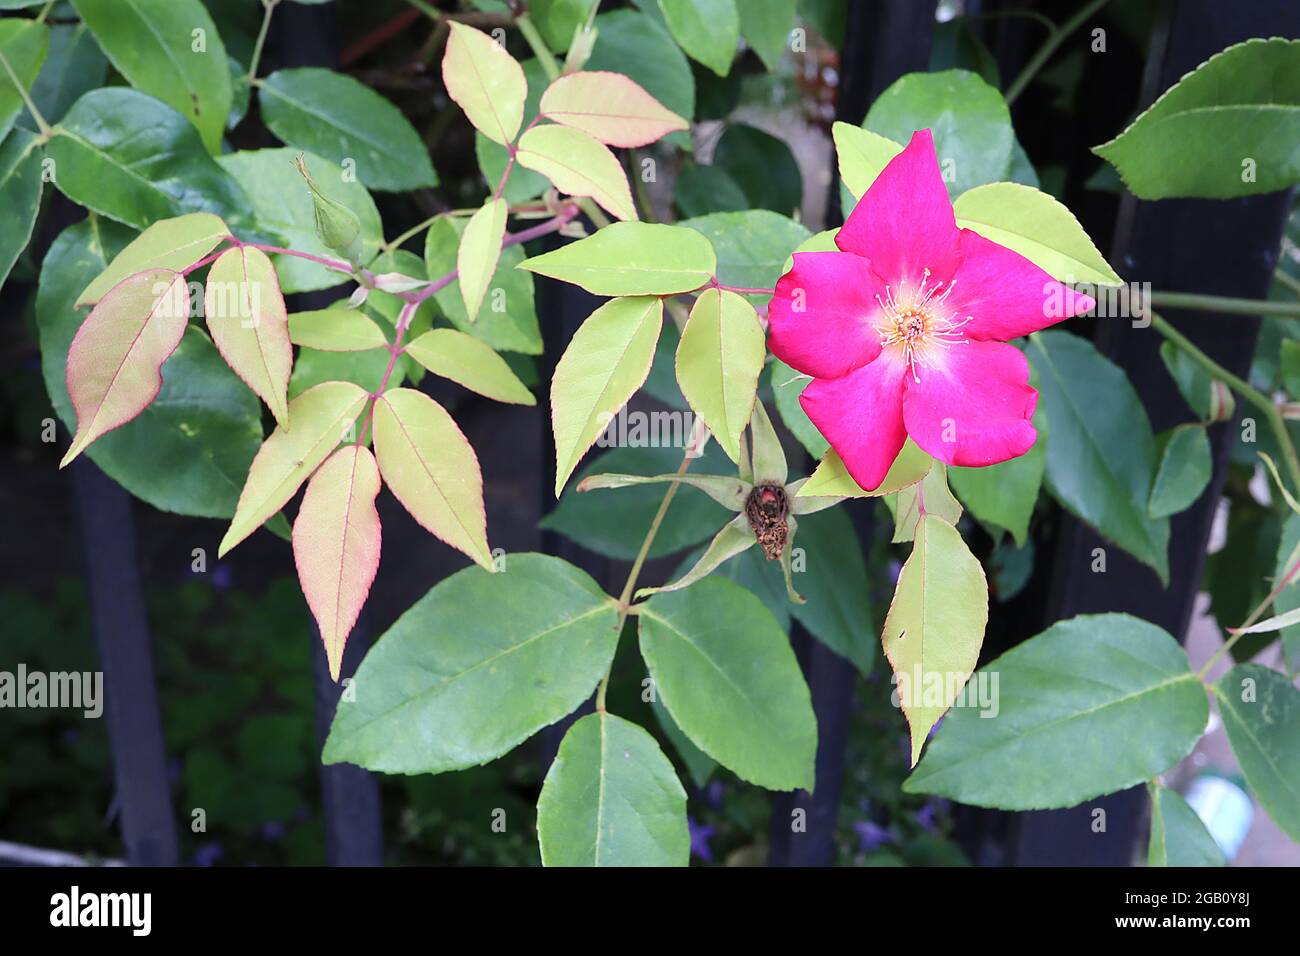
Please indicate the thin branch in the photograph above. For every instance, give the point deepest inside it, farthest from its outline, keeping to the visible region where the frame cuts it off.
(1054, 40)
(1223, 303)
(268, 7)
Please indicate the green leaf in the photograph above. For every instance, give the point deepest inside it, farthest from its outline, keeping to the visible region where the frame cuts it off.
(727, 490)
(766, 26)
(708, 30)
(787, 385)
(1178, 837)
(699, 190)
(631, 258)
(1067, 705)
(611, 798)
(319, 419)
(20, 195)
(834, 581)
(485, 81)
(751, 247)
(763, 166)
(1226, 129)
(1101, 460)
(24, 44)
(862, 155)
(1038, 227)
(444, 690)
(479, 250)
(170, 244)
(153, 44)
(467, 361)
(613, 521)
(282, 204)
(341, 120)
(831, 479)
(607, 360)
(522, 184)
(969, 120)
(725, 671)
(131, 158)
(1261, 713)
(1288, 599)
(578, 165)
(189, 451)
(336, 330)
(932, 492)
(1005, 494)
(558, 20)
(718, 361)
(636, 45)
(935, 625)
(507, 320)
(315, 367)
(698, 764)
(735, 538)
(1185, 466)
(74, 67)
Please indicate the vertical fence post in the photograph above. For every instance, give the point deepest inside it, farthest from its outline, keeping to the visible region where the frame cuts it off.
(350, 799)
(1172, 245)
(882, 41)
(121, 626)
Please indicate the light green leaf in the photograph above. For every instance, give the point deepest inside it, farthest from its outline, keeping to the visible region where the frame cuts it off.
(315, 366)
(1038, 227)
(611, 798)
(131, 158)
(718, 360)
(336, 330)
(24, 44)
(1261, 713)
(935, 625)
(766, 26)
(170, 244)
(444, 690)
(20, 195)
(485, 81)
(319, 419)
(1226, 129)
(862, 155)
(832, 479)
(932, 493)
(1185, 466)
(1101, 460)
(1005, 494)
(631, 258)
(189, 451)
(730, 492)
(282, 204)
(725, 671)
(1178, 837)
(708, 30)
(969, 120)
(767, 457)
(1067, 705)
(607, 360)
(467, 361)
(610, 107)
(337, 118)
(479, 250)
(507, 320)
(735, 537)
(153, 44)
(578, 165)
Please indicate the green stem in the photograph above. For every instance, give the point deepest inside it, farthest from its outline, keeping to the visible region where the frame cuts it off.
(540, 49)
(1223, 303)
(1242, 388)
(412, 232)
(45, 11)
(268, 6)
(1287, 280)
(46, 130)
(433, 13)
(1054, 40)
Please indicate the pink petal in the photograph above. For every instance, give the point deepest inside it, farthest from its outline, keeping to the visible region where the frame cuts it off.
(904, 222)
(861, 415)
(1005, 294)
(975, 408)
(820, 317)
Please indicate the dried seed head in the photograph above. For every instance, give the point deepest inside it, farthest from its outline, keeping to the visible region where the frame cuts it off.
(766, 510)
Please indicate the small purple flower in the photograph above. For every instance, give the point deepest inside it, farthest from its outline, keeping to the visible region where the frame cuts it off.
(925, 817)
(273, 831)
(700, 839)
(714, 794)
(871, 836)
(208, 854)
(222, 577)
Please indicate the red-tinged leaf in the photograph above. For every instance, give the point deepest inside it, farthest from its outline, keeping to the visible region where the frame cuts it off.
(250, 325)
(116, 358)
(336, 541)
(485, 81)
(577, 165)
(611, 107)
(432, 470)
(319, 419)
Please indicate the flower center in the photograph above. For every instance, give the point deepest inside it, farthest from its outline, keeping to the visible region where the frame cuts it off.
(917, 324)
